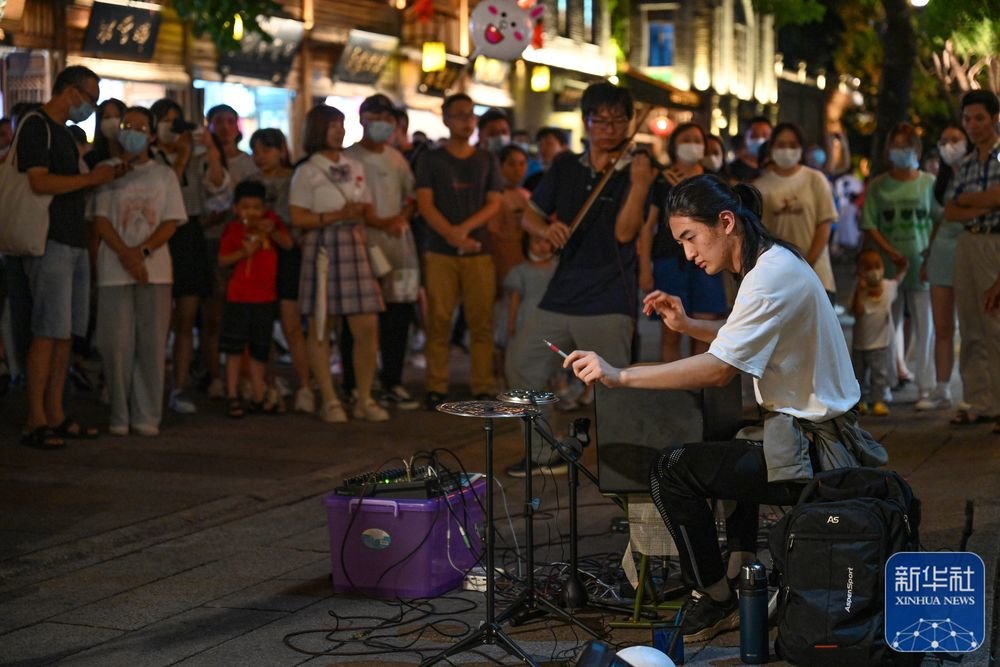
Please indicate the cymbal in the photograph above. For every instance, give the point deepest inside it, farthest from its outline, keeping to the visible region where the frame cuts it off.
(486, 409)
(527, 397)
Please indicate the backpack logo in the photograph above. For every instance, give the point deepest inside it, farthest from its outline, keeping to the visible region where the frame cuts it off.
(850, 588)
(833, 519)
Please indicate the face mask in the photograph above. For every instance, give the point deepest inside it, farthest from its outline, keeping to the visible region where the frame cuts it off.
(903, 158)
(819, 157)
(109, 127)
(526, 147)
(164, 133)
(952, 153)
(132, 141)
(690, 153)
(380, 131)
(873, 277)
(497, 142)
(753, 146)
(81, 112)
(712, 162)
(786, 158)
(539, 258)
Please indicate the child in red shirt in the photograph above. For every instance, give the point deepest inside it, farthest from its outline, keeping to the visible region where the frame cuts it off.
(248, 315)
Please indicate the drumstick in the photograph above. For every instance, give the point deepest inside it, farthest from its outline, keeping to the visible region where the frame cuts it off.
(555, 349)
(608, 173)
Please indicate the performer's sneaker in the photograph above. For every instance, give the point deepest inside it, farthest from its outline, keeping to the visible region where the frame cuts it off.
(554, 468)
(704, 618)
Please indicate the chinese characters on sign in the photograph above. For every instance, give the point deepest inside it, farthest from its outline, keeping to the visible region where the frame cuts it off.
(365, 57)
(934, 602)
(262, 59)
(121, 31)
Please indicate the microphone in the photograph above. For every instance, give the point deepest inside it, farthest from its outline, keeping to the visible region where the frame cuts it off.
(580, 429)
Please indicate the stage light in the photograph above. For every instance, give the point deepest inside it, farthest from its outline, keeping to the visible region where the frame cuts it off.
(433, 57)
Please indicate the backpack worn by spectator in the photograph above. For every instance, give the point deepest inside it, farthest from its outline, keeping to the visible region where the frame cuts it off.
(830, 551)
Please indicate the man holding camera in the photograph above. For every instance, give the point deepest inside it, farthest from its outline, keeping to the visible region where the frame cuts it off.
(59, 280)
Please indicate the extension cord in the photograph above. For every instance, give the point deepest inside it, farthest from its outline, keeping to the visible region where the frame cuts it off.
(475, 580)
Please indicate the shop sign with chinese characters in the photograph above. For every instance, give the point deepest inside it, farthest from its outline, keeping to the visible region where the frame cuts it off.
(365, 57)
(122, 31)
(935, 602)
(262, 59)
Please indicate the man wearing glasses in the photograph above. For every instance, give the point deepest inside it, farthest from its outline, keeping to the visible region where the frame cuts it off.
(458, 190)
(591, 301)
(58, 282)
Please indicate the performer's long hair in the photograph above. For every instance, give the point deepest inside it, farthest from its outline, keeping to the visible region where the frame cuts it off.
(704, 197)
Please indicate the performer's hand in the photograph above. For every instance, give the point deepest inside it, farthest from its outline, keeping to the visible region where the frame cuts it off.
(557, 234)
(668, 307)
(591, 368)
(642, 171)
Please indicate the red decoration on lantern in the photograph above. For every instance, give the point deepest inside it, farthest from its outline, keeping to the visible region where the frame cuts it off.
(537, 35)
(424, 10)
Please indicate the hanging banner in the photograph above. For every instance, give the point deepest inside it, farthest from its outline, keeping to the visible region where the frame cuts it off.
(260, 59)
(123, 32)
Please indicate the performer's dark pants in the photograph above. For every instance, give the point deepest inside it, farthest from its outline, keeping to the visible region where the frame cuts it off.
(685, 476)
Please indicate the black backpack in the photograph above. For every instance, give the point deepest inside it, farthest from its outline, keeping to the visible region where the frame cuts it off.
(830, 552)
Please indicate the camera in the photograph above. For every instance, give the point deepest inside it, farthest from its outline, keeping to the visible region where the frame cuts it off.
(180, 126)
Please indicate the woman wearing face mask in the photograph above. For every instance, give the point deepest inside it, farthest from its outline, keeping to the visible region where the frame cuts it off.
(135, 216)
(662, 264)
(798, 202)
(714, 161)
(109, 118)
(898, 215)
(199, 173)
(938, 266)
(270, 155)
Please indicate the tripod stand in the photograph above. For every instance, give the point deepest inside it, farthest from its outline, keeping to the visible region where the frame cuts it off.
(489, 632)
(530, 605)
(574, 592)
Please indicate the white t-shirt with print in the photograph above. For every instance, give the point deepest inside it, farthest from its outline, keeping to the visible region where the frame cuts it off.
(136, 204)
(322, 186)
(794, 206)
(784, 332)
(873, 329)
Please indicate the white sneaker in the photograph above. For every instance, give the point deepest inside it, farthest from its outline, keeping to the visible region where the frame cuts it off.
(305, 400)
(932, 403)
(333, 413)
(148, 431)
(216, 389)
(282, 387)
(371, 411)
(181, 403)
(118, 429)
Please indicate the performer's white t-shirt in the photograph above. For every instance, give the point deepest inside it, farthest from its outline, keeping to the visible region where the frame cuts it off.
(784, 332)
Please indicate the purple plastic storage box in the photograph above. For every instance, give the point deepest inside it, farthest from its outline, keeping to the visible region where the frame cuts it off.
(400, 548)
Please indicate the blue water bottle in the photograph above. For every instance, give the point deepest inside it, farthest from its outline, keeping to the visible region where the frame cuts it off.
(753, 614)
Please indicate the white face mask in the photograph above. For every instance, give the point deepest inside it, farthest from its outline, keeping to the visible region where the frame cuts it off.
(712, 162)
(690, 153)
(109, 127)
(786, 158)
(164, 133)
(952, 153)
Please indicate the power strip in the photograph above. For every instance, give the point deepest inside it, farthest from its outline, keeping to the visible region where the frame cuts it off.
(475, 580)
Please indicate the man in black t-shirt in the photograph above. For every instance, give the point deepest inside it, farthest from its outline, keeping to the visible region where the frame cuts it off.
(591, 302)
(458, 191)
(59, 280)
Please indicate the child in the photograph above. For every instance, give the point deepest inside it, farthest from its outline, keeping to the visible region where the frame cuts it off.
(525, 285)
(873, 328)
(247, 244)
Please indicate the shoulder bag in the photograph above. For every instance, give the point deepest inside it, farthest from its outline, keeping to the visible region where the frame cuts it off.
(24, 226)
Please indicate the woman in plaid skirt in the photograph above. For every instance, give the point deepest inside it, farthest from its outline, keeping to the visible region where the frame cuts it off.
(331, 203)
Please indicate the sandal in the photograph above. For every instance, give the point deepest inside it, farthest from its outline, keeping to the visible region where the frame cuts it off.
(42, 438)
(966, 418)
(235, 409)
(70, 428)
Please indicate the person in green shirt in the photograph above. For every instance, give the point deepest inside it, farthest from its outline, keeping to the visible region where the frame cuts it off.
(898, 216)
